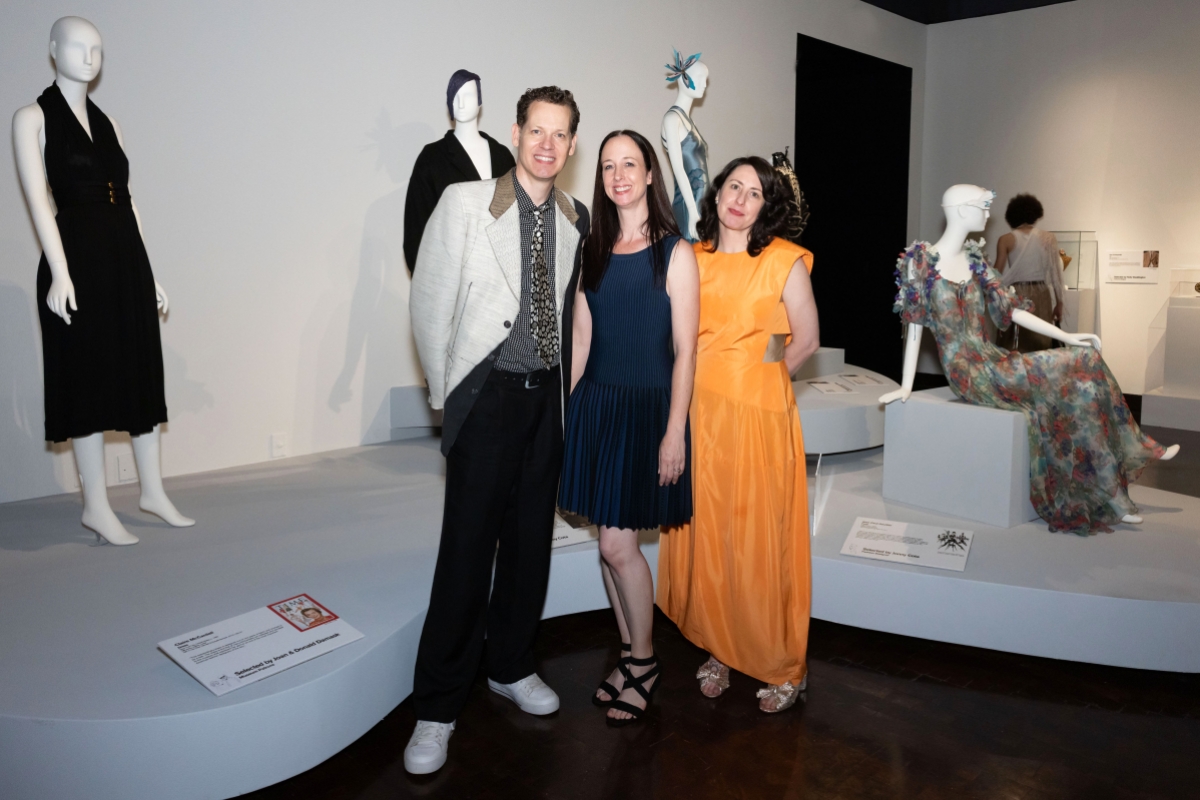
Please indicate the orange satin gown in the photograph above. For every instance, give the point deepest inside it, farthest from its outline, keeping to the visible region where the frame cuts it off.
(738, 580)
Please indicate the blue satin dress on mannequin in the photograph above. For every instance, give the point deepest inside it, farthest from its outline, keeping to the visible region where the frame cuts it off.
(695, 161)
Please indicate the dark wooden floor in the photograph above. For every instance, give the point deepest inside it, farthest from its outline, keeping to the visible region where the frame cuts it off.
(886, 717)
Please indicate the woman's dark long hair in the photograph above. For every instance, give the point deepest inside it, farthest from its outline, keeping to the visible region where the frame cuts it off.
(772, 217)
(606, 225)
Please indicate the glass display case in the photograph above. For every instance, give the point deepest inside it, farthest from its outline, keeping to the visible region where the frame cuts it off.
(1082, 279)
(1185, 282)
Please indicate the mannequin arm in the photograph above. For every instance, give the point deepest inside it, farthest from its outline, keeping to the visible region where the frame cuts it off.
(159, 293)
(672, 134)
(801, 310)
(1039, 325)
(27, 127)
(912, 351)
(581, 336)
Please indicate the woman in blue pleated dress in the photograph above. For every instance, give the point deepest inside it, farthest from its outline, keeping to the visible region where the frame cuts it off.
(627, 444)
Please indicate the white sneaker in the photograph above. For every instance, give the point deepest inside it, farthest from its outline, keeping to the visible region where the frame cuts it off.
(531, 694)
(426, 751)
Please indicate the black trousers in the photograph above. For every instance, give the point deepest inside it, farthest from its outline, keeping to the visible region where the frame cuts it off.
(501, 486)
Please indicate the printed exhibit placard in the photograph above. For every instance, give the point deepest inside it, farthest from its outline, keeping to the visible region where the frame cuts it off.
(1131, 266)
(572, 529)
(857, 379)
(831, 387)
(905, 543)
(259, 644)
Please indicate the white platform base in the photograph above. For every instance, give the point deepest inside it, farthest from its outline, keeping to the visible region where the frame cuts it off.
(839, 423)
(90, 709)
(1130, 598)
(959, 459)
(1168, 410)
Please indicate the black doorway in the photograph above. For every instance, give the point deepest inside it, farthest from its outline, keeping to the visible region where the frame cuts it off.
(851, 158)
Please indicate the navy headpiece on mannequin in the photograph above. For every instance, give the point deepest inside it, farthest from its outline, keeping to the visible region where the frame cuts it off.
(457, 80)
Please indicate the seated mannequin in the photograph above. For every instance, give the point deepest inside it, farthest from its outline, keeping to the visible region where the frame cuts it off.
(100, 302)
(1084, 444)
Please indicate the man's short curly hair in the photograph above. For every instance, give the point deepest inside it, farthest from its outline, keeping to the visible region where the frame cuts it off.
(547, 94)
(1024, 209)
(772, 217)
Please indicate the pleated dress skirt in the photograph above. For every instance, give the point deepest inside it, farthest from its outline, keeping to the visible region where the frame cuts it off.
(618, 412)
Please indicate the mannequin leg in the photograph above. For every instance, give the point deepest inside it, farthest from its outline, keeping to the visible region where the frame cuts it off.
(154, 497)
(97, 513)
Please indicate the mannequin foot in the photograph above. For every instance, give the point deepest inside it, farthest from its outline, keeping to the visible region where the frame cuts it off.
(163, 508)
(1131, 519)
(1172, 451)
(107, 527)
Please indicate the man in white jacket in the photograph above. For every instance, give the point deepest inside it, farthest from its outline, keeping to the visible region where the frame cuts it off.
(491, 313)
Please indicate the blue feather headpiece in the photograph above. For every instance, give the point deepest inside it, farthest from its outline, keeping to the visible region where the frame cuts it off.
(680, 67)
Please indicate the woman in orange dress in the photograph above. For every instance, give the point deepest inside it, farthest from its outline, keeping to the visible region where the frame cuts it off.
(737, 580)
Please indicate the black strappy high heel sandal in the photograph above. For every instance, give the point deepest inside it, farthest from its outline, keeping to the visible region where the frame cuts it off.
(607, 687)
(638, 684)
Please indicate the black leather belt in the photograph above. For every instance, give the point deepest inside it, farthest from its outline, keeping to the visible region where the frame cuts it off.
(524, 380)
(83, 194)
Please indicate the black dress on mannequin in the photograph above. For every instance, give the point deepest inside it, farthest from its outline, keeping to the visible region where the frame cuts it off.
(440, 164)
(104, 371)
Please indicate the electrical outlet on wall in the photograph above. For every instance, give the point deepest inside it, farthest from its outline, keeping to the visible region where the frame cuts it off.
(279, 445)
(126, 471)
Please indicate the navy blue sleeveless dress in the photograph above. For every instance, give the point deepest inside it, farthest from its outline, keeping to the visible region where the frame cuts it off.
(617, 415)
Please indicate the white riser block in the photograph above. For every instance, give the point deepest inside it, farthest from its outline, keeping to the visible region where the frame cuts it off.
(948, 456)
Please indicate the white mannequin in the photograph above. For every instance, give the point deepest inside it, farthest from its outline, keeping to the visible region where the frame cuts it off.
(674, 131)
(77, 51)
(466, 129)
(966, 210)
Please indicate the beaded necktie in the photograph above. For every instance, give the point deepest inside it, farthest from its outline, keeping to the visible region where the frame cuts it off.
(541, 308)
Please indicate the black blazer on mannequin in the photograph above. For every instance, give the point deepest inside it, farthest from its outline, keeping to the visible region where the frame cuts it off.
(440, 164)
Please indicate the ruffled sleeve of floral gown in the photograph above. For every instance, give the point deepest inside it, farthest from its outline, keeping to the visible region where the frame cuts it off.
(914, 281)
(1001, 302)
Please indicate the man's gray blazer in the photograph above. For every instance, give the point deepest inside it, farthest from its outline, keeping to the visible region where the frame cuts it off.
(466, 291)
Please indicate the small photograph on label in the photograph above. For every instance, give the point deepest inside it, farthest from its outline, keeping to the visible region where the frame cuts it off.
(1150, 259)
(303, 612)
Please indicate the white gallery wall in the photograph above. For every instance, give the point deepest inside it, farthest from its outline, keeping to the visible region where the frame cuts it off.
(270, 147)
(1094, 106)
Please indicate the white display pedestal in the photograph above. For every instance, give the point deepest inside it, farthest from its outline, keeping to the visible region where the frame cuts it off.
(1130, 598)
(411, 415)
(826, 361)
(955, 458)
(89, 708)
(839, 423)
(1181, 367)
(1177, 403)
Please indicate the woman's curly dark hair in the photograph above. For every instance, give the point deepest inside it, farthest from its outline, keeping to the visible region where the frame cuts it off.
(1024, 209)
(772, 218)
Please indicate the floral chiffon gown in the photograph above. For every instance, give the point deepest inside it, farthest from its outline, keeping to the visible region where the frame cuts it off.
(1084, 445)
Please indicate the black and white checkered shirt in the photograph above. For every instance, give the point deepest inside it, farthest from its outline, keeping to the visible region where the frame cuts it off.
(520, 351)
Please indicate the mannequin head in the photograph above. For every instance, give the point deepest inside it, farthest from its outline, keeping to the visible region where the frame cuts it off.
(457, 100)
(698, 72)
(466, 103)
(966, 207)
(76, 49)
